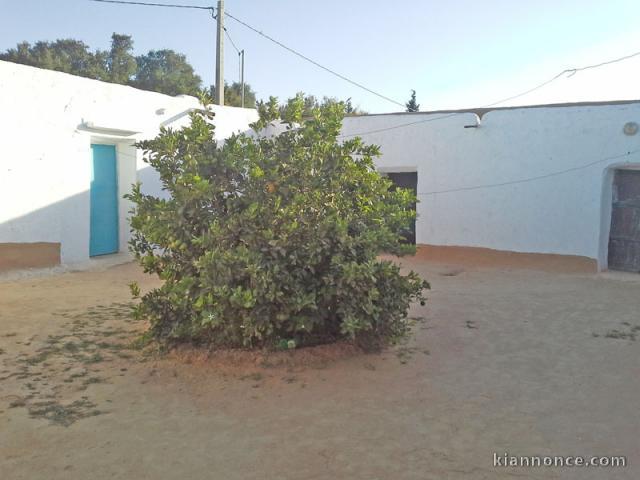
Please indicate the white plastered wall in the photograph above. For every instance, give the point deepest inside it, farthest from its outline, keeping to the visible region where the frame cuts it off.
(562, 213)
(48, 121)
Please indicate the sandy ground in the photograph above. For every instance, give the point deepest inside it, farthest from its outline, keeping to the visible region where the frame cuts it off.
(524, 362)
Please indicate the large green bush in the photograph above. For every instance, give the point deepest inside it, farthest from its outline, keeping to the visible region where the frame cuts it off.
(266, 239)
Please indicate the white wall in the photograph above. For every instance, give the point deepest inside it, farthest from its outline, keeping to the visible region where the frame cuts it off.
(48, 121)
(45, 164)
(566, 213)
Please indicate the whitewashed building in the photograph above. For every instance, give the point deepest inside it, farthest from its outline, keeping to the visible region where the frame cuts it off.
(561, 182)
(68, 157)
(554, 184)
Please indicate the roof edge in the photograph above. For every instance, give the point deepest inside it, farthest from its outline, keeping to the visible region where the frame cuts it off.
(480, 111)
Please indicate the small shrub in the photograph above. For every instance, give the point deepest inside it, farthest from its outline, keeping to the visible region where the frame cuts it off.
(272, 238)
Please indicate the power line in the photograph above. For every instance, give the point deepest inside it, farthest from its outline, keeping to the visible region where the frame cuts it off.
(401, 125)
(295, 52)
(231, 40)
(304, 57)
(240, 64)
(568, 71)
(573, 71)
(147, 4)
(530, 179)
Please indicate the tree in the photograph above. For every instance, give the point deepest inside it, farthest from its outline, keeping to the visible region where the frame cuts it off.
(412, 105)
(168, 72)
(21, 54)
(163, 71)
(233, 95)
(349, 109)
(121, 64)
(310, 103)
(65, 55)
(268, 241)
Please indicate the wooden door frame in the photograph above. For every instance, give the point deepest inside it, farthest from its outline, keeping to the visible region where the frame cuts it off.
(606, 209)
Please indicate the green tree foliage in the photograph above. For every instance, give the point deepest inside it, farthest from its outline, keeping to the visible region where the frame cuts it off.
(121, 64)
(233, 95)
(65, 55)
(412, 105)
(167, 72)
(349, 109)
(163, 71)
(311, 103)
(272, 239)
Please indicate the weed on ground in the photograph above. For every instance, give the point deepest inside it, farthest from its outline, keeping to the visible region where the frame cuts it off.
(48, 377)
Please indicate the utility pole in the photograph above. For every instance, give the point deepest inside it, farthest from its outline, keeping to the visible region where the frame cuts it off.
(219, 98)
(242, 76)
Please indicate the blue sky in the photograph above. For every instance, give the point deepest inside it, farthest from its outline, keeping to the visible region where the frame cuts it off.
(455, 53)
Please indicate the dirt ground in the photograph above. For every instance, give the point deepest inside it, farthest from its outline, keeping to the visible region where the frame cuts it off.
(517, 361)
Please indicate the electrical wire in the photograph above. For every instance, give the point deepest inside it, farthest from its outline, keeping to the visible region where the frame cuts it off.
(231, 40)
(304, 57)
(573, 71)
(238, 51)
(530, 179)
(401, 125)
(147, 4)
(295, 52)
(570, 72)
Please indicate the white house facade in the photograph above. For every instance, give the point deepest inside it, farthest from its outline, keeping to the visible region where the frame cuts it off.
(556, 182)
(536, 180)
(54, 127)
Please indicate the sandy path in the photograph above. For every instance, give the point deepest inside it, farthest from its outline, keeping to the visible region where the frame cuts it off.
(515, 361)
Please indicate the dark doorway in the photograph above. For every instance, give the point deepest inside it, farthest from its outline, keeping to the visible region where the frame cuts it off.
(406, 180)
(624, 238)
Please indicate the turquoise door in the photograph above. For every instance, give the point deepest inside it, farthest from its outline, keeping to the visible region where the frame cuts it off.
(104, 201)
